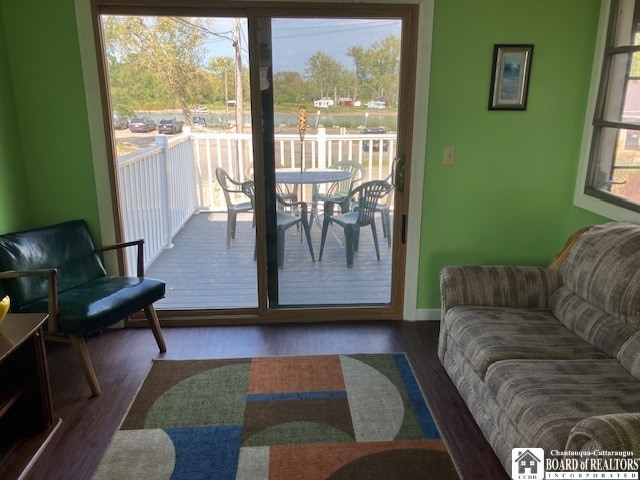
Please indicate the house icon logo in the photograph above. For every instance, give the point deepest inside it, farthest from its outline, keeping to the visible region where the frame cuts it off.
(527, 464)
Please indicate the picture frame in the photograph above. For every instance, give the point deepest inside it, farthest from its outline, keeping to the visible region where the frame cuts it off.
(510, 76)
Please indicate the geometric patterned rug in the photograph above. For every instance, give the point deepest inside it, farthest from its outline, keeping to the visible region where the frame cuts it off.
(334, 417)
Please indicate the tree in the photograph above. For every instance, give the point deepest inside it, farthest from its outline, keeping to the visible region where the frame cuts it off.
(357, 54)
(165, 53)
(289, 87)
(222, 70)
(378, 67)
(324, 72)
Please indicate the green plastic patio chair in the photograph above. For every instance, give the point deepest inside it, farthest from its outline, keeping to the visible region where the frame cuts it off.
(363, 199)
(293, 214)
(230, 186)
(338, 191)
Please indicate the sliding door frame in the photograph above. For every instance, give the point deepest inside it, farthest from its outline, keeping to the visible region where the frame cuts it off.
(253, 11)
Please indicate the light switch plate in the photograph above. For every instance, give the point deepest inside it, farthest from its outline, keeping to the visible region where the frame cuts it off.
(449, 156)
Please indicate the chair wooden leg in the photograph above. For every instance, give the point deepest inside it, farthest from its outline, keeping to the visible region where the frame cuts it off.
(80, 347)
(154, 323)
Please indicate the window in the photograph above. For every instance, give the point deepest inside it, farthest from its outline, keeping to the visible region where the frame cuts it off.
(614, 163)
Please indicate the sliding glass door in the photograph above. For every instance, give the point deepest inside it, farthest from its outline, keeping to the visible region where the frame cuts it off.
(271, 183)
(333, 91)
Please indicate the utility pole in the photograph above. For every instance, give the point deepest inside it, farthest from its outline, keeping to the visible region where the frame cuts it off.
(237, 45)
(226, 96)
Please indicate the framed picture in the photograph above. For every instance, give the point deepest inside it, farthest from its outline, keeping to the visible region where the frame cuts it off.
(510, 77)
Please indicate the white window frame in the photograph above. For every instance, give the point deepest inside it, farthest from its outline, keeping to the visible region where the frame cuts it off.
(581, 199)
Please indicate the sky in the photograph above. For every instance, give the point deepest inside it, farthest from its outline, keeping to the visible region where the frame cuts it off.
(295, 39)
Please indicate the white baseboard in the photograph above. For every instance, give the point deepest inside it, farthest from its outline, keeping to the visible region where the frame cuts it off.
(427, 314)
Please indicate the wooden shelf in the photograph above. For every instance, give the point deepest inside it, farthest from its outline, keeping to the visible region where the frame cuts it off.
(7, 399)
(26, 451)
(26, 412)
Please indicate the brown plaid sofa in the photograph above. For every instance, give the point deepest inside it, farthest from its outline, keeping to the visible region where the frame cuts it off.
(550, 357)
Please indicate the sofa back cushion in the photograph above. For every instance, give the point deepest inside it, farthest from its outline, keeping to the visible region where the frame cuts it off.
(596, 326)
(67, 247)
(600, 299)
(604, 269)
(629, 355)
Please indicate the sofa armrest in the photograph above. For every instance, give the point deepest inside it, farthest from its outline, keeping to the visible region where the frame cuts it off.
(613, 432)
(52, 275)
(498, 286)
(140, 258)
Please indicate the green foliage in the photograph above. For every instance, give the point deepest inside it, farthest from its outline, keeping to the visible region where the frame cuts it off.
(154, 59)
(162, 61)
(377, 68)
(289, 87)
(325, 73)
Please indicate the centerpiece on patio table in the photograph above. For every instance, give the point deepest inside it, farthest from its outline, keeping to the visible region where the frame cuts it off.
(302, 129)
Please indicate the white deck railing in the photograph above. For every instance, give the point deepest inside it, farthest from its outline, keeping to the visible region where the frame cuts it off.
(162, 186)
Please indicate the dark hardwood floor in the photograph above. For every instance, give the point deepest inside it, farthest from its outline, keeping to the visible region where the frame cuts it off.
(122, 358)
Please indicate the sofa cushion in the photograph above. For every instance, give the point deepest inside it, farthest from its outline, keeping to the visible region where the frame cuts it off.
(489, 334)
(498, 286)
(65, 246)
(629, 355)
(100, 303)
(596, 326)
(546, 398)
(602, 268)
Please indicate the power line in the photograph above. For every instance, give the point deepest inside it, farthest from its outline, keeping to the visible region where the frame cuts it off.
(316, 33)
(382, 23)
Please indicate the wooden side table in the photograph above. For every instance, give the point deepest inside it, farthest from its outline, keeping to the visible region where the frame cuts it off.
(26, 410)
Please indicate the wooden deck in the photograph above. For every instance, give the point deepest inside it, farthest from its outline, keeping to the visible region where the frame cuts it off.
(201, 273)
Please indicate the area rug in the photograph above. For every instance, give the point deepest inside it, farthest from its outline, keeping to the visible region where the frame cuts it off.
(333, 417)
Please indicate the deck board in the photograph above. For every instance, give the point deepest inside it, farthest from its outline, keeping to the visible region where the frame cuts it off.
(201, 273)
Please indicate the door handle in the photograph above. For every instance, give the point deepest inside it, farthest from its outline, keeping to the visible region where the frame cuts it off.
(398, 172)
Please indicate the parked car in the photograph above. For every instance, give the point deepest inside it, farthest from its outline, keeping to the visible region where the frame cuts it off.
(375, 143)
(377, 105)
(120, 122)
(199, 120)
(169, 125)
(142, 125)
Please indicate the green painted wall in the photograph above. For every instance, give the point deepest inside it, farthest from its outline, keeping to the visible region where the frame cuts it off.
(51, 110)
(508, 199)
(15, 212)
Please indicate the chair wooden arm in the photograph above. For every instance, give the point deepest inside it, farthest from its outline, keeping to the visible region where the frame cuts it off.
(139, 243)
(52, 273)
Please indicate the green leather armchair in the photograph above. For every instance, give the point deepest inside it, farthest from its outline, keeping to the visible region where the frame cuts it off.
(57, 270)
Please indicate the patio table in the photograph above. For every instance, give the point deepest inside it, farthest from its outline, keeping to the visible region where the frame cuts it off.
(310, 176)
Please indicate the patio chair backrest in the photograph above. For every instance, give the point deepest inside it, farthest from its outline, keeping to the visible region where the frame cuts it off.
(226, 184)
(367, 196)
(344, 187)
